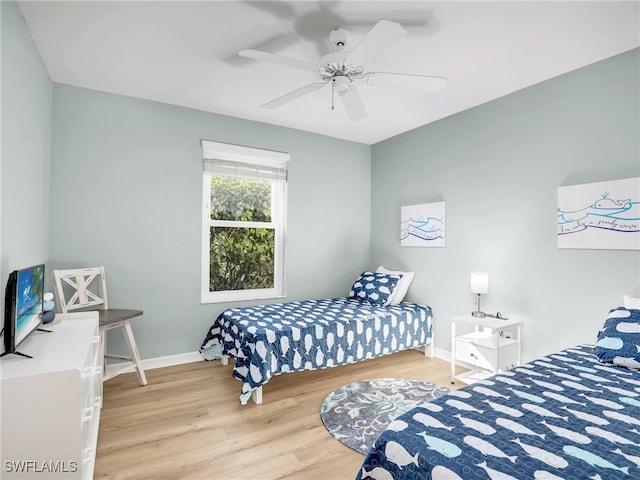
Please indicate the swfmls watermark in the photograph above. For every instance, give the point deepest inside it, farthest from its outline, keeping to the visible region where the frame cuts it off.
(40, 466)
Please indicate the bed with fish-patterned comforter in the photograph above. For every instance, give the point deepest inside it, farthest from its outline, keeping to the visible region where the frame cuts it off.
(564, 416)
(268, 340)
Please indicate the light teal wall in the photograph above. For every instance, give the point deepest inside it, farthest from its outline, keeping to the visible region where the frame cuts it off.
(25, 148)
(126, 193)
(123, 176)
(498, 167)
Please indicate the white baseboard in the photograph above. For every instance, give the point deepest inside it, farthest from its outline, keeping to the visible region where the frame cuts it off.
(172, 360)
(166, 361)
(442, 354)
(191, 357)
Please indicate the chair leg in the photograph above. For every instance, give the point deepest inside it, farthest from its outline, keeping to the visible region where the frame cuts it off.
(103, 351)
(135, 356)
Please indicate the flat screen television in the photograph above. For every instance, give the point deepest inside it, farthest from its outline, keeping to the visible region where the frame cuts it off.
(23, 306)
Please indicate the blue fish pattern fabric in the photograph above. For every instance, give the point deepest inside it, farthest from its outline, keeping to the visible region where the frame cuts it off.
(618, 340)
(268, 340)
(563, 416)
(374, 287)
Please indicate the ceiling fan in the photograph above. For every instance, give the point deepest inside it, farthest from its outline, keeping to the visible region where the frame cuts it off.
(344, 70)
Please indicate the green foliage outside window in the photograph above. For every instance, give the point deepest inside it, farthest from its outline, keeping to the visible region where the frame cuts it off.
(241, 258)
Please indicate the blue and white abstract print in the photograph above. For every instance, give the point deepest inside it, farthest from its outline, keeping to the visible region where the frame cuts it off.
(564, 416)
(268, 340)
(423, 225)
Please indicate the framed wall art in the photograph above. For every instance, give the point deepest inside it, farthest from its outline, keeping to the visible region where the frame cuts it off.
(422, 225)
(602, 215)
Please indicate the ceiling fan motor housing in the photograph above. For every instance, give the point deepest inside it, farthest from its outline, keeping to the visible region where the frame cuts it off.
(336, 64)
(339, 37)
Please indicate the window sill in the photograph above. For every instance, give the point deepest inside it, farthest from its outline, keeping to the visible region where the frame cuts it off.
(226, 298)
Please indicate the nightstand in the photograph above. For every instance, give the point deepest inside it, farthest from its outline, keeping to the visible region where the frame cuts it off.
(490, 348)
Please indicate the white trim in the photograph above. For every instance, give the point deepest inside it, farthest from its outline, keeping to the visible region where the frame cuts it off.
(240, 295)
(192, 357)
(442, 354)
(204, 251)
(161, 362)
(278, 224)
(243, 224)
(240, 153)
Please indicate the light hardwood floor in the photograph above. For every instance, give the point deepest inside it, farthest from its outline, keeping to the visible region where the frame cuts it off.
(187, 422)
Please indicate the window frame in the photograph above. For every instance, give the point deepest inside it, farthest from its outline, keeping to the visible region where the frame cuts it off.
(245, 157)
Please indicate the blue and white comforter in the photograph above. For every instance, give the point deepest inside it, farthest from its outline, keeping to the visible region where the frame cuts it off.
(268, 340)
(564, 416)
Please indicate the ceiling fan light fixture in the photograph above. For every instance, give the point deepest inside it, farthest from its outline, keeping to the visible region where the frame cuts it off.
(341, 83)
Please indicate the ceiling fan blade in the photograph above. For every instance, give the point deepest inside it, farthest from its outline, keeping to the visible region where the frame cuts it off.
(403, 80)
(353, 104)
(382, 35)
(271, 57)
(293, 95)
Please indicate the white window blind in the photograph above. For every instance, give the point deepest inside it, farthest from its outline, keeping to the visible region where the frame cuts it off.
(239, 161)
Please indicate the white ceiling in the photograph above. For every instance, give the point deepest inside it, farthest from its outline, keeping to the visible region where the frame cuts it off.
(185, 53)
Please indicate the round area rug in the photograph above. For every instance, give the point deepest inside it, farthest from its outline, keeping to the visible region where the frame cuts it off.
(357, 413)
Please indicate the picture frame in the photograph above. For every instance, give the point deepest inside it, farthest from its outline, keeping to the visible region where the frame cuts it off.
(423, 225)
(600, 215)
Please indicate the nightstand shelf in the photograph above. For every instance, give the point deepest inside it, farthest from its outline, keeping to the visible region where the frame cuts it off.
(490, 348)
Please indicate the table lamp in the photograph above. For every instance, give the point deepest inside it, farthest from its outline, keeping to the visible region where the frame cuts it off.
(479, 282)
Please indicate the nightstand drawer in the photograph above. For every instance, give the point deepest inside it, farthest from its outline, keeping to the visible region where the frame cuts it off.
(470, 353)
(479, 351)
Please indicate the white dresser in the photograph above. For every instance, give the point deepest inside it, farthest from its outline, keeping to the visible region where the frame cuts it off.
(50, 404)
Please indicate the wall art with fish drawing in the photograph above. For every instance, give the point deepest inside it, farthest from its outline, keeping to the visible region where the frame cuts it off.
(602, 215)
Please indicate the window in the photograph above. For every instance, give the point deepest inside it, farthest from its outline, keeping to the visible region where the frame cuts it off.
(244, 207)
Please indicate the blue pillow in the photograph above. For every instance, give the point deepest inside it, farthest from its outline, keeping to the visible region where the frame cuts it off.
(374, 287)
(618, 340)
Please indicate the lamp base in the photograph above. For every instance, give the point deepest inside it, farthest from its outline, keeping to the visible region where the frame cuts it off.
(478, 314)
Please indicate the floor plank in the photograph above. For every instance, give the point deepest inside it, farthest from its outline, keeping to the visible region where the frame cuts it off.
(187, 422)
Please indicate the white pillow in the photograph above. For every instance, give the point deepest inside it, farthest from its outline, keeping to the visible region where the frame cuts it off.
(630, 302)
(401, 288)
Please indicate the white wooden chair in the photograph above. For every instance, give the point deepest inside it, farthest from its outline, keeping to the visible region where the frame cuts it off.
(86, 289)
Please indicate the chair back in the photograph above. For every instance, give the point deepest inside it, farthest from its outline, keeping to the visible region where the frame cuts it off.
(81, 288)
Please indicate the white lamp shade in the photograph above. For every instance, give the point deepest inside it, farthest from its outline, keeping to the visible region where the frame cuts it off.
(479, 282)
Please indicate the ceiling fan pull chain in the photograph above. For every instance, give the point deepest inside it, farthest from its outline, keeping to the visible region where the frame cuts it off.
(333, 84)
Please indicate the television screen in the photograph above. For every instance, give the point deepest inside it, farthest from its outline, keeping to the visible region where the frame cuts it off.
(24, 306)
(29, 301)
